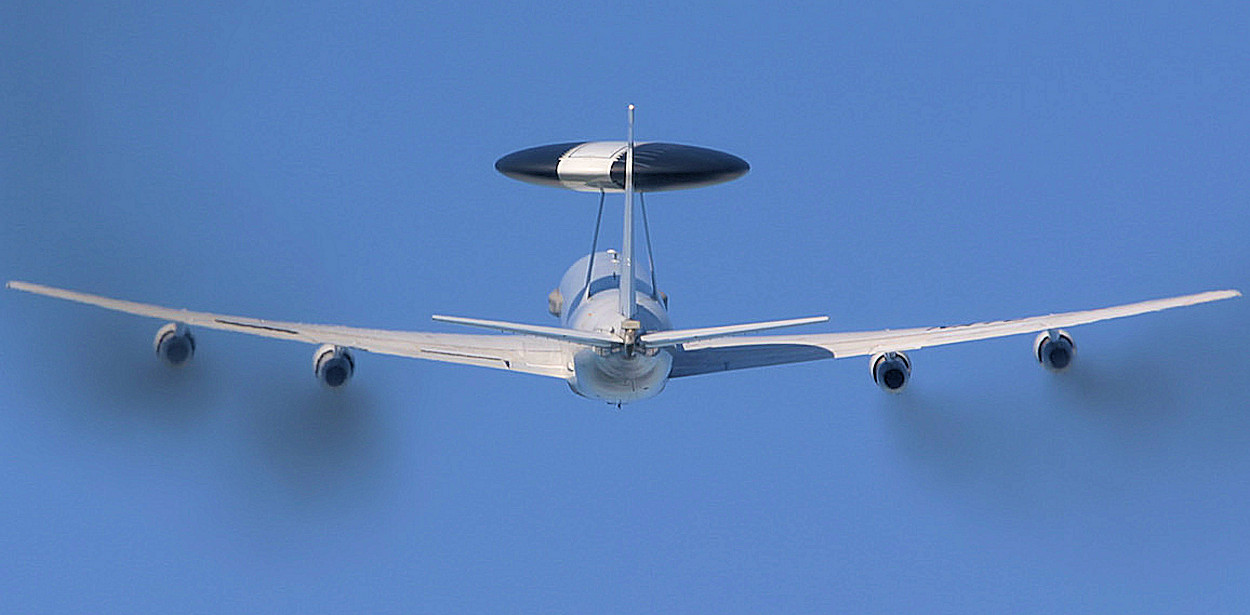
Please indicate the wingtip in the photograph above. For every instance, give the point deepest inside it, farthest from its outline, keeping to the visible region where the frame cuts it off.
(28, 287)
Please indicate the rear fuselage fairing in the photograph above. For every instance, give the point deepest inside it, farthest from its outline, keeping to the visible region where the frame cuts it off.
(613, 375)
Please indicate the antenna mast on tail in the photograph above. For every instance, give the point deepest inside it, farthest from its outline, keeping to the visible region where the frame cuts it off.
(627, 298)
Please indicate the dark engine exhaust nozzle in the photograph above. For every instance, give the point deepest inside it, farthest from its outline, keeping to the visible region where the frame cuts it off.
(1054, 349)
(174, 344)
(890, 370)
(333, 365)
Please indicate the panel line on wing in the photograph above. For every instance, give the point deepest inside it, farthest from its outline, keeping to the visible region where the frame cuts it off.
(465, 355)
(255, 326)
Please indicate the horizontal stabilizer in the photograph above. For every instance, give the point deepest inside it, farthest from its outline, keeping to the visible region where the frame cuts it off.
(660, 339)
(590, 338)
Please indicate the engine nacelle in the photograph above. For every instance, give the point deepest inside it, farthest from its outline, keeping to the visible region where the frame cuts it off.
(1054, 349)
(174, 344)
(555, 303)
(333, 365)
(890, 370)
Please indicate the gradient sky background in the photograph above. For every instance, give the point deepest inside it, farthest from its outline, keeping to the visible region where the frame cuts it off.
(913, 164)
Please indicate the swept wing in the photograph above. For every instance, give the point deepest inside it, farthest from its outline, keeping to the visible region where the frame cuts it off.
(520, 353)
(706, 356)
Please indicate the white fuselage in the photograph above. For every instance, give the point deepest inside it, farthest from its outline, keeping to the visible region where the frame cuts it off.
(613, 375)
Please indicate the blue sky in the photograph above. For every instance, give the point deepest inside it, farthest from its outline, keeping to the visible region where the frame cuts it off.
(912, 164)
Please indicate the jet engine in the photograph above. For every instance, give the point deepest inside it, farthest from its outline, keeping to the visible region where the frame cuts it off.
(174, 344)
(333, 365)
(890, 370)
(555, 303)
(1054, 349)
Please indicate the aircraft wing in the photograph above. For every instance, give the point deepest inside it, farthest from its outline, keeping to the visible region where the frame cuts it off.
(729, 353)
(520, 353)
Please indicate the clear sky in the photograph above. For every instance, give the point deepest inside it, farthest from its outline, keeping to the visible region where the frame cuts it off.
(912, 164)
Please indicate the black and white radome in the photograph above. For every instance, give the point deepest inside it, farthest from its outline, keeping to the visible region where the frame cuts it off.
(592, 166)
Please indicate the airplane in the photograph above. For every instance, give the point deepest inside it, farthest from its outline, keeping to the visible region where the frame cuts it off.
(616, 342)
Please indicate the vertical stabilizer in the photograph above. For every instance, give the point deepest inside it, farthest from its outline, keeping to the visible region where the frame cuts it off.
(627, 298)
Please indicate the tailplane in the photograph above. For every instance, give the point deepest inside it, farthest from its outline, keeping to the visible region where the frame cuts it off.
(588, 338)
(660, 339)
(657, 339)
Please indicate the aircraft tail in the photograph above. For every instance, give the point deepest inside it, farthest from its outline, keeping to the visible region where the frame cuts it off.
(628, 300)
